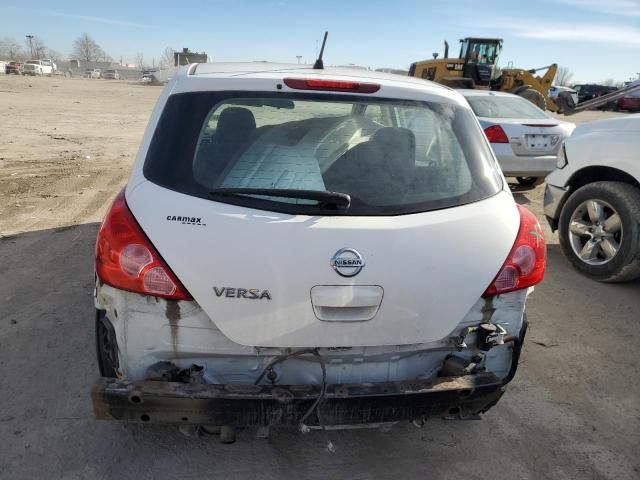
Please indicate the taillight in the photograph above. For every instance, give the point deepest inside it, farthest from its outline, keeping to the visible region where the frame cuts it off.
(126, 259)
(495, 134)
(527, 259)
(331, 85)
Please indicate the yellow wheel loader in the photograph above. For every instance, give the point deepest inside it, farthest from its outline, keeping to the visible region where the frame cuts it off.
(474, 68)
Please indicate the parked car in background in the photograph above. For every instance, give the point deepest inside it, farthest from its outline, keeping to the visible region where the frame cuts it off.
(524, 139)
(51, 63)
(111, 75)
(590, 91)
(92, 73)
(372, 259)
(37, 67)
(148, 76)
(630, 102)
(593, 198)
(556, 89)
(14, 68)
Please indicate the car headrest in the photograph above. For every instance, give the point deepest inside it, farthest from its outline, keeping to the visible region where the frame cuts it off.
(235, 122)
(398, 145)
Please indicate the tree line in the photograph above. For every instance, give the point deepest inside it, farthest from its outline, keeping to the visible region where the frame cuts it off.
(84, 48)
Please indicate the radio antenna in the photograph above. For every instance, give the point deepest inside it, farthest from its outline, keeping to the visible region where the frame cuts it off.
(319, 65)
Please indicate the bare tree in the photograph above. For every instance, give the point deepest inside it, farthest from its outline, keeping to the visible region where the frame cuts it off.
(40, 49)
(166, 59)
(139, 61)
(610, 82)
(563, 76)
(87, 49)
(55, 55)
(10, 48)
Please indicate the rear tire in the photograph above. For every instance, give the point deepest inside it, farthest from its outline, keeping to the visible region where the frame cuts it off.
(534, 97)
(614, 257)
(527, 181)
(106, 346)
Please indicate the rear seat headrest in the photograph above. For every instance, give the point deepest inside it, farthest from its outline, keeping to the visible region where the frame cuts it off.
(235, 121)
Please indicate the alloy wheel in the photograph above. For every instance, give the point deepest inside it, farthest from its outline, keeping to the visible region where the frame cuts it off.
(595, 232)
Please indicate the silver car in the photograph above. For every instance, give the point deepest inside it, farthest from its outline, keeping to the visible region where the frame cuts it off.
(525, 139)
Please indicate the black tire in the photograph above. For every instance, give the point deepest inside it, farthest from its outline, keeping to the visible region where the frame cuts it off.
(106, 346)
(625, 200)
(527, 181)
(534, 97)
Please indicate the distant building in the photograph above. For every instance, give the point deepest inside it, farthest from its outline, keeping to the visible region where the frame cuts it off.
(185, 57)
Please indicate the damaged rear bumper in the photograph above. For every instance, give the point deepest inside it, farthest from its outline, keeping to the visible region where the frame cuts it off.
(246, 405)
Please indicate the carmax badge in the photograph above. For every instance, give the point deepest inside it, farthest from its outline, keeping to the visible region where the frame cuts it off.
(347, 262)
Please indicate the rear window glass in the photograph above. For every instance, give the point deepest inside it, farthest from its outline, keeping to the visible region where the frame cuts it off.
(390, 156)
(501, 106)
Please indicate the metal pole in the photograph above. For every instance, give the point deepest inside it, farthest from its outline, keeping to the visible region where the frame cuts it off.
(30, 37)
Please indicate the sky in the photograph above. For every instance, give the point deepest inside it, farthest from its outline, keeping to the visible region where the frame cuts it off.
(595, 39)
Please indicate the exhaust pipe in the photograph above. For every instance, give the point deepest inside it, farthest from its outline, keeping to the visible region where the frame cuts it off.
(446, 49)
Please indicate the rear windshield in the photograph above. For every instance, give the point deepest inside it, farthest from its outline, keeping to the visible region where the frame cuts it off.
(502, 106)
(390, 156)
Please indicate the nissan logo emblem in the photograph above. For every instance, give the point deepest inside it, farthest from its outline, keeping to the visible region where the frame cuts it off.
(347, 262)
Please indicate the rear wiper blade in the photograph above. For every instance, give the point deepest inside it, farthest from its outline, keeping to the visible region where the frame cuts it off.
(324, 197)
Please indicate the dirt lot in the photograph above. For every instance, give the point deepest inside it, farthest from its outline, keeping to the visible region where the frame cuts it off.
(573, 410)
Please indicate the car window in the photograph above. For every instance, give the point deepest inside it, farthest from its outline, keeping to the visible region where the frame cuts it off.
(390, 156)
(502, 106)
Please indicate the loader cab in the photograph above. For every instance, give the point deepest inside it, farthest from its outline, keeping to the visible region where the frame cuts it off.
(479, 55)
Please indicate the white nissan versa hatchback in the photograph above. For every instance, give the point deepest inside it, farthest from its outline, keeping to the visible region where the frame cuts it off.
(310, 247)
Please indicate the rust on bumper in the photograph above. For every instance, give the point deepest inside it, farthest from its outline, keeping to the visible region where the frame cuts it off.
(262, 405)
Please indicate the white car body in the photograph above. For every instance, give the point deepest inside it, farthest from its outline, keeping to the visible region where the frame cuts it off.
(556, 89)
(38, 67)
(606, 145)
(593, 199)
(397, 320)
(531, 145)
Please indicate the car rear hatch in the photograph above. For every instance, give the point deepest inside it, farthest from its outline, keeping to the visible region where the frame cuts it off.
(265, 278)
(428, 227)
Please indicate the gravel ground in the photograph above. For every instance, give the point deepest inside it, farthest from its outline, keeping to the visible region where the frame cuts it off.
(573, 410)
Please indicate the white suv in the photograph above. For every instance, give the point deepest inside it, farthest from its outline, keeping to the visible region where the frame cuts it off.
(593, 199)
(310, 247)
